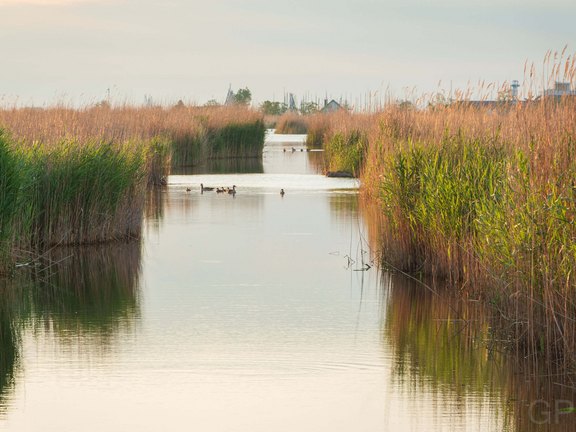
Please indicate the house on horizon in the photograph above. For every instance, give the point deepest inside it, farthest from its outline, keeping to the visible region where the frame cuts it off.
(332, 106)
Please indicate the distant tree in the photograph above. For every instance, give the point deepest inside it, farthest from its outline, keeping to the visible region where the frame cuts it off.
(439, 100)
(505, 95)
(273, 108)
(104, 104)
(405, 105)
(243, 96)
(309, 107)
(212, 103)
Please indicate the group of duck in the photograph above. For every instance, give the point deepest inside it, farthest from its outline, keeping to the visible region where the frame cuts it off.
(228, 190)
(293, 150)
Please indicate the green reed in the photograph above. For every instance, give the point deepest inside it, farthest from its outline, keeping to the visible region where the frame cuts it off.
(71, 193)
(345, 151)
(188, 149)
(494, 217)
(83, 193)
(233, 140)
(10, 183)
(236, 140)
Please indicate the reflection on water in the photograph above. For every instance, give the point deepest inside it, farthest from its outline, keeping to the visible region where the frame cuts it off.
(440, 348)
(90, 290)
(80, 296)
(444, 352)
(9, 337)
(154, 209)
(223, 166)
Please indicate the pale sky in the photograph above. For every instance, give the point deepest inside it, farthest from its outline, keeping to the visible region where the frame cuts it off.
(75, 50)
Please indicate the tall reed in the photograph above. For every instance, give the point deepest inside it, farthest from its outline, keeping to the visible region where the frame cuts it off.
(78, 176)
(10, 183)
(488, 201)
(81, 194)
(292, 123)
(483, 196)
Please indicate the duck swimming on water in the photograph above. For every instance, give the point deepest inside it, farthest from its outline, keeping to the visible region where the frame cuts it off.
(282, 192)
(207, 189)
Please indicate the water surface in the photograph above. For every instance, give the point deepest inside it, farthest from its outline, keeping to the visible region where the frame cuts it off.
(247, 312)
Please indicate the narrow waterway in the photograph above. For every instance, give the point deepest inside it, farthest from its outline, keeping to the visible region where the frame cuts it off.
(250, 312)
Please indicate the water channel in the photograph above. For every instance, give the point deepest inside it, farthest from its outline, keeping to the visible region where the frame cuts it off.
(251, 312)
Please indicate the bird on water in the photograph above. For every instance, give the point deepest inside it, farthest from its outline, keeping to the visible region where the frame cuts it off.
(207, 189)
(282, 192)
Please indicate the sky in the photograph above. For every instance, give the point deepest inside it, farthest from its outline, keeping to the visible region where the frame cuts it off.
(84, 51)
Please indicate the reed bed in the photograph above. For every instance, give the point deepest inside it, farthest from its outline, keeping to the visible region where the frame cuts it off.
(344, 138)
(481, 197)
(193, 133)
(78, 176)
(318, 125)
(292, 123)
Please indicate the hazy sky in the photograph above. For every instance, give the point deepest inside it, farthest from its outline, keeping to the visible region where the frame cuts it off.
(170, 49)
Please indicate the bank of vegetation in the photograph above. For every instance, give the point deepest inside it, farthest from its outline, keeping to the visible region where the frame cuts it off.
(481, 197)
(291, 123)
(79, 176)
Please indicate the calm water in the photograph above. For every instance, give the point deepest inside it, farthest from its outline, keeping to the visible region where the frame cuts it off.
(250, 313)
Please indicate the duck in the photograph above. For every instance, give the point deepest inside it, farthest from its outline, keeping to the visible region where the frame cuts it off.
(282, 192)
(188, 189)
(220, 190)
(232, 190)
(207, 189)
(293, 149)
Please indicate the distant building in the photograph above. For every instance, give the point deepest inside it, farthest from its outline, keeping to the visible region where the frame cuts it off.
(230, 97)
(292, 103)
(560, 90)
(330, 107)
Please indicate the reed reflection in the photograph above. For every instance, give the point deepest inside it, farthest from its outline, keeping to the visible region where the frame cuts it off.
(223, 166)
(90, 292)
(444, 346)
(344, 206)
(154, 207)
(440, 346)
(9, 344)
